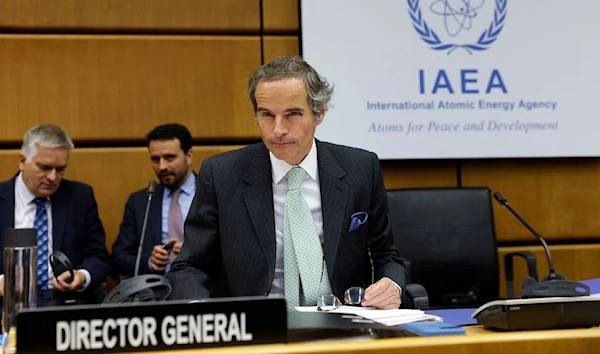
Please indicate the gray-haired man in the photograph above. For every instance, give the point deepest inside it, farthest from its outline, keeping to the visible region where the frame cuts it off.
(64, 213)
(290, 216)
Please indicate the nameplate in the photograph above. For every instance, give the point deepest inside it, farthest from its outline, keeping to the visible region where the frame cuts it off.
(152, 326)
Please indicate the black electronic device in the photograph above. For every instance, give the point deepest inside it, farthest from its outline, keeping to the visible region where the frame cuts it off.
(310, 326)
(169, 246)
(540, 313)
(60, 263)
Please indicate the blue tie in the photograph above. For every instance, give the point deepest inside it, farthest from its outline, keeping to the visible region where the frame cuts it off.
(41, 224)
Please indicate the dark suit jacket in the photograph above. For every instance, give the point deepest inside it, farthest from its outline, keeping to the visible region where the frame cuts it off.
(125, 248)
(76, 227)
(230, 230)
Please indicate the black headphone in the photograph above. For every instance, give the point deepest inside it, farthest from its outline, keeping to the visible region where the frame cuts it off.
(142, 288)
(150, 287)
(60, 263)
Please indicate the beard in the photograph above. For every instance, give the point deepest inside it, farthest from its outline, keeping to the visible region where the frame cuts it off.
(173, 180)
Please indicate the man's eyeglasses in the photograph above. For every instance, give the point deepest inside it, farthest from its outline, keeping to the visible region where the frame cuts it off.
(352, 296)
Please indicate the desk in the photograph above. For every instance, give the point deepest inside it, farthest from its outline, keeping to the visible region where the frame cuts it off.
(477, 341)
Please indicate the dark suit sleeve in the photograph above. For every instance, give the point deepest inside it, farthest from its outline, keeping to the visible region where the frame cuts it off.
(386, 260)
(125, 248)
(199, 263)
(95, 256)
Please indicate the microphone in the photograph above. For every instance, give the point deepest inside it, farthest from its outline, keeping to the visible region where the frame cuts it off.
(555, 284)
(151, 189)
(147, 287)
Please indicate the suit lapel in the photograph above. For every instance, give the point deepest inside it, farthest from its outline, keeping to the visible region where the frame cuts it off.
(258, 196)
(7, 205)
(60, 205)
(154, 217)
(334, 192)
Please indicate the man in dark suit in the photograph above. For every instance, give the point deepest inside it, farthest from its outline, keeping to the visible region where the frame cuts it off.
(317, 209)
(64, 213)
(170, 148)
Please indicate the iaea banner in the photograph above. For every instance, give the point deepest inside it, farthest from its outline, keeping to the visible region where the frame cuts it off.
(458, 78)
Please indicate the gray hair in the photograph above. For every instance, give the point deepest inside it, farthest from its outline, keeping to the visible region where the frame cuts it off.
(318, 89)
(46, 135)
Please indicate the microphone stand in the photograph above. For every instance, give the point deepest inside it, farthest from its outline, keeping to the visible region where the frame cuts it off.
(151, 189)
(140, 287)
(553, 286)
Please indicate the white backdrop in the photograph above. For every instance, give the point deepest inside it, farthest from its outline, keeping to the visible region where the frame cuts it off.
(458, 78)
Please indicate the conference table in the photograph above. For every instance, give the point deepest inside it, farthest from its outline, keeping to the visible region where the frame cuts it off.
(478, 340)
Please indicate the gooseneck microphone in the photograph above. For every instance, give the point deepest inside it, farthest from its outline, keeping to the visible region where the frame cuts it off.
(147, 287)
(151, 189)
(554, 285)
(503, 201)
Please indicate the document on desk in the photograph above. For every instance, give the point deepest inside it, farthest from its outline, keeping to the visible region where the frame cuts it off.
(387, 317)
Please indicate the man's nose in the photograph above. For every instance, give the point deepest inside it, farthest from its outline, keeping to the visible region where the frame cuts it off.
(280, 128)
(52, 175)
(162, 165)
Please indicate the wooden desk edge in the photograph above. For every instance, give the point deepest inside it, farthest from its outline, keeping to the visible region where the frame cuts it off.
(475, 335)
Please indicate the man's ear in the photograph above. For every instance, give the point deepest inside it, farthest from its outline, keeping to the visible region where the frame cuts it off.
(188, 157)
(22, 161)
(322, 115)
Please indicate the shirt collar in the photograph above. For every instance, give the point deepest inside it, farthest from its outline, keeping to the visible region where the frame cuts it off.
(280, 168)
(22, 190)
(189, 185)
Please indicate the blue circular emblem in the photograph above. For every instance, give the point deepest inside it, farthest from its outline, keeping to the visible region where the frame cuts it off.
(461, 13)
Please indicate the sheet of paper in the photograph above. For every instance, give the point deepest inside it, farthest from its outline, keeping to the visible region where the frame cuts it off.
(388, 317)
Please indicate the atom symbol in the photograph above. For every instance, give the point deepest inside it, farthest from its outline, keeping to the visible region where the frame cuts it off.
(458, 14)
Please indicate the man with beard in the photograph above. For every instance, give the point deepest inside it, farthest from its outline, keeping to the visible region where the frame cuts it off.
(170, 148)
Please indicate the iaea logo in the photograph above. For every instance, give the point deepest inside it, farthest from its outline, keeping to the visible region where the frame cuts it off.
(458, 18)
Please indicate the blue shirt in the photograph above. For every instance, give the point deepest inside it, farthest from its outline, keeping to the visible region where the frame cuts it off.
(188, 190)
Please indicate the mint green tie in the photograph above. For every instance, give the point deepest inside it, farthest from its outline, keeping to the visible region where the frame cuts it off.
(303, 259)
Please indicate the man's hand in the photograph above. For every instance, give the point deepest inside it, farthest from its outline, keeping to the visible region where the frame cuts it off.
(159, 258)
(2, 285)
(384, 294)
(177, 248)
(59, 283)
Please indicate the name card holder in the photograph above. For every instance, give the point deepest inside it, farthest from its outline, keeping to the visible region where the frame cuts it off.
(152, 326)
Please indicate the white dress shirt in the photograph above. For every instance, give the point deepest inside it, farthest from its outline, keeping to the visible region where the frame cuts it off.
(25, 209)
